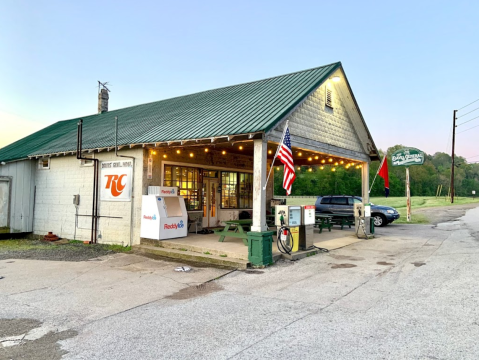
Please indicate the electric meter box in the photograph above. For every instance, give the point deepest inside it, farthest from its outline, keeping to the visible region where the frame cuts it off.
(291, 215)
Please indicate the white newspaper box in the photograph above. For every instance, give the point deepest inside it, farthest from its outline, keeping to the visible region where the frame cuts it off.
(163, 215)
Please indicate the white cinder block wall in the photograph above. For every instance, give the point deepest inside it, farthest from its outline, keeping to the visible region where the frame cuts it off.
(55, 212)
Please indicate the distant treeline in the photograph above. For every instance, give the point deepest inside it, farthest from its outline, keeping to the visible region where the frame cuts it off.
(424, 178)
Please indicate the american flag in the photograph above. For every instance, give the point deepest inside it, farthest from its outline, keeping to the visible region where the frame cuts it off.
(286, 157)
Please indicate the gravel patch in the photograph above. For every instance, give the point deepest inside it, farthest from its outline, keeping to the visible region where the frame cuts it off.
(39, 250)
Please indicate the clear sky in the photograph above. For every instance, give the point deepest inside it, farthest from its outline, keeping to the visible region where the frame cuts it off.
(410, 64)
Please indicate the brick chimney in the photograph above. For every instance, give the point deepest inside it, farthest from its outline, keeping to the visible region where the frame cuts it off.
(103, 101)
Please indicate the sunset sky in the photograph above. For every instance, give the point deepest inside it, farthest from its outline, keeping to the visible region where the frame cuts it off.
(410, 64)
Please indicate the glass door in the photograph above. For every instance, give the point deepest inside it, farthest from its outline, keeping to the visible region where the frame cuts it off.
(210, 204)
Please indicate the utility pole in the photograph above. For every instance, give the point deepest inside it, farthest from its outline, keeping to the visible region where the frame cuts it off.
(453, 143)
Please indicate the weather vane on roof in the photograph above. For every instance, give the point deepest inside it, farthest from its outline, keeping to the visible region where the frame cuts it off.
(103, 86)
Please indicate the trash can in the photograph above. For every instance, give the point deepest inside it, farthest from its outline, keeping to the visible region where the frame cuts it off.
(371, 225)
(260, 248)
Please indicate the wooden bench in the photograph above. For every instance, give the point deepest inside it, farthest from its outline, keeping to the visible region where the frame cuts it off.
(239, 229)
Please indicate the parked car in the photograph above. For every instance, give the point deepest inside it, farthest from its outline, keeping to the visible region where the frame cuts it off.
(343, 204)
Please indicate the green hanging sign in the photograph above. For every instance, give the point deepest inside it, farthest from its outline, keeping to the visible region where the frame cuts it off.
(407, 157)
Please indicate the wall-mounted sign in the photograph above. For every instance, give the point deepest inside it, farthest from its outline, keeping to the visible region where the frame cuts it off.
(149, 175)
(116, 180)
(407, 157)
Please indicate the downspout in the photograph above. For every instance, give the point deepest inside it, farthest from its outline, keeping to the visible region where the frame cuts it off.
(94, 210)
(132, 180)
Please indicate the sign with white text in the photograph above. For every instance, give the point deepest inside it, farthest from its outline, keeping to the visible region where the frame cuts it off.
(407, 157)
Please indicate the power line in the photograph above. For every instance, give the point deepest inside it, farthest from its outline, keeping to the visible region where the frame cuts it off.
(468, 129)
(470, 157)
(468, 104)
(465, 122)
(467, 113)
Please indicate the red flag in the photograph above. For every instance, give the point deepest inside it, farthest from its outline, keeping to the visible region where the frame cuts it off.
(383, 172)
(286, 157)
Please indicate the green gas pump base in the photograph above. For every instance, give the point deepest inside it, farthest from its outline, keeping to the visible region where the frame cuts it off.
(260, 248)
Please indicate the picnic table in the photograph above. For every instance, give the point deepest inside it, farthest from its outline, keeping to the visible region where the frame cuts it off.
(238, 228)
(343, 219)
(323, 221)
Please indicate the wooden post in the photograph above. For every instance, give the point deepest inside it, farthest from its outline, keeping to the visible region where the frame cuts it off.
(259, 179)
(408, 195)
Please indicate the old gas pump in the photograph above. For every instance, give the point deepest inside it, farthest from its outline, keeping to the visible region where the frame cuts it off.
(288, 221)
(362, 215)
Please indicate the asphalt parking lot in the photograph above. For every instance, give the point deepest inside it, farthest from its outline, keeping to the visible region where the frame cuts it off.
(410, 293)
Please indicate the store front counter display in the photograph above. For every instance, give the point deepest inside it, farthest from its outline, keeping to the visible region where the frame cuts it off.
(163, 214)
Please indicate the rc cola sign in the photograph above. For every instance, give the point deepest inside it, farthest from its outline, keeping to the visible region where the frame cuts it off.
(407, 157)
(116, 180)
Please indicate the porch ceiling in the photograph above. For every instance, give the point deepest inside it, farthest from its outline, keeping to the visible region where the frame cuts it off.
(301, 156)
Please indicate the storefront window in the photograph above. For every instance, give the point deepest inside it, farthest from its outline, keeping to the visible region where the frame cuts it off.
(229, 182)
(187, 181)
(236, 190)
(246, 191)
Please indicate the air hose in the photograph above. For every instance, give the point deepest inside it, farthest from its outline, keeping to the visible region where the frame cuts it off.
(284, 241)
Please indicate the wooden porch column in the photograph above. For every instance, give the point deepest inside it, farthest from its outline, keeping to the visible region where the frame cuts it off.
(259, 179)
(365, 182)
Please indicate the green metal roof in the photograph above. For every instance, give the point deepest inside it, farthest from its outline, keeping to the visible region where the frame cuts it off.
(240, 109)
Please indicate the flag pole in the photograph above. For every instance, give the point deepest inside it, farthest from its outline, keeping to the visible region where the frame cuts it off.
(377, 172)
(275, 155)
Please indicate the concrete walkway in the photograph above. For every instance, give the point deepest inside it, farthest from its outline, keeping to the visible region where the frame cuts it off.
(411, 293)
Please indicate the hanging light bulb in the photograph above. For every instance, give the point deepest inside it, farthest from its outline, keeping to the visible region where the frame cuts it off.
(330, 159)
(341, 162)
(153, 152)
(164, 156)
(323, 161)
(224, 152)
(333, 169)
(277, 168)
(299, 168)
(270, 152)
(321, 167)
(316, 157)
(310, 159)
(206, 149)
(191, 154)
(300, 154)
(310, 169)
(178, 151)
(336, 163)
(241, 147)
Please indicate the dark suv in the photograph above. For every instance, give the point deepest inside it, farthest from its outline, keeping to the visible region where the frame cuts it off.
(343, 204)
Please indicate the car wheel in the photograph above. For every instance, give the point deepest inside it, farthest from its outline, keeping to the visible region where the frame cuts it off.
(379, 220)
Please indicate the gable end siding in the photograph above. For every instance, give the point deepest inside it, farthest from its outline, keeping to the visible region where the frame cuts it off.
(314, 120)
